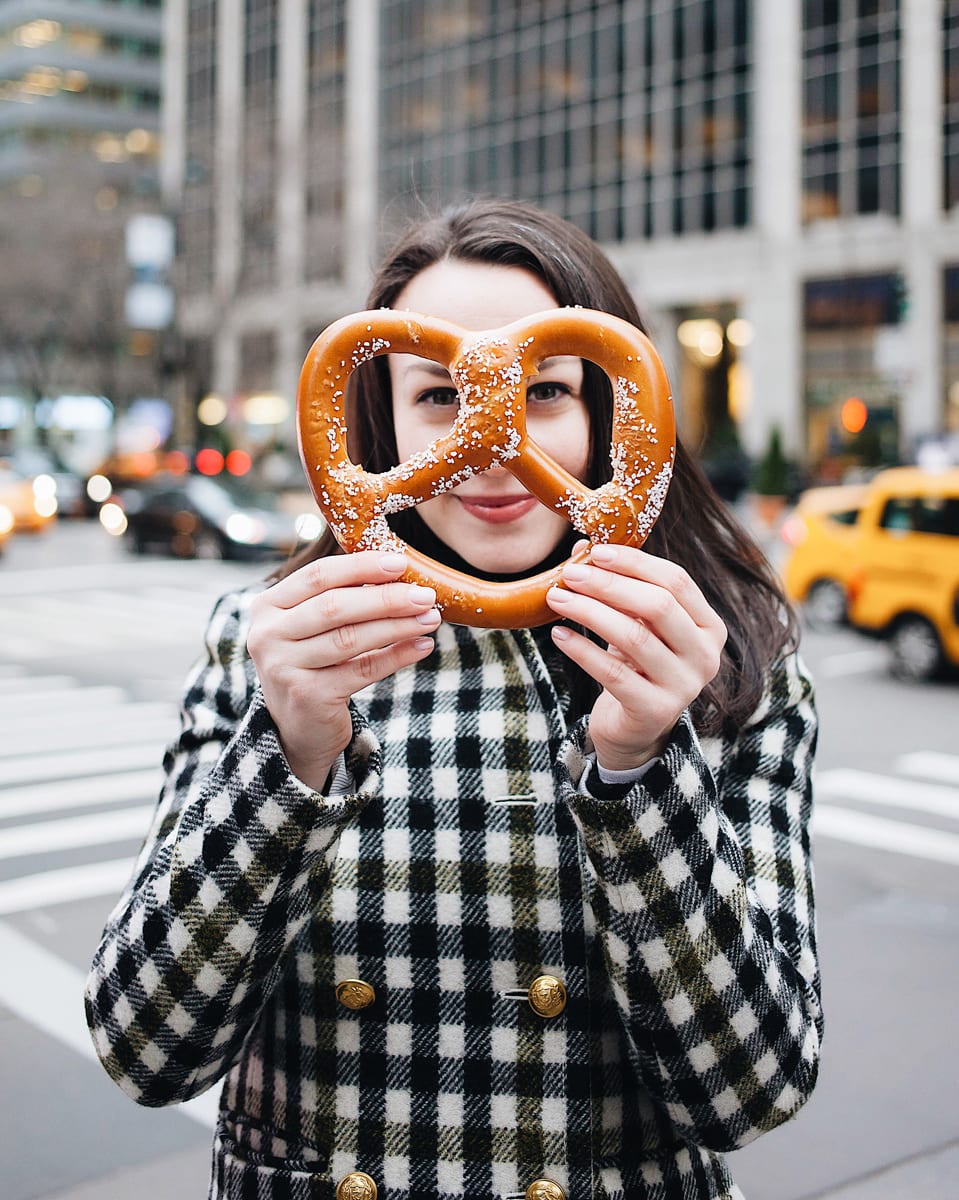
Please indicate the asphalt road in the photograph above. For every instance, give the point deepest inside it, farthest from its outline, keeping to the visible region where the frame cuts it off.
(93, 649)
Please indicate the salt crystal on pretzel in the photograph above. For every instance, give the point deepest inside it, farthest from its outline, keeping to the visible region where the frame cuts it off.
(490, 370)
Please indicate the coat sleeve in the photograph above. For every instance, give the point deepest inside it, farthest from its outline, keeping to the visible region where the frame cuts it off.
(703, 898)
(237, 855)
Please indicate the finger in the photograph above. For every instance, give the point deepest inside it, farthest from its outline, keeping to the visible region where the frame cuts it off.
(638, 600)
(633, 688)
(635, 640)
(632, 563)
(343, 643)
(351, 677)
(353, 606)
(337, 570)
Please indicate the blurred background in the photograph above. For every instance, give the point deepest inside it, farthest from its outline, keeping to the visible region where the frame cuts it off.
(191, 190)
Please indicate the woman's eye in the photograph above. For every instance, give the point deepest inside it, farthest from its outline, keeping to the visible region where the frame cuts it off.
(546, 391)
(439, 397)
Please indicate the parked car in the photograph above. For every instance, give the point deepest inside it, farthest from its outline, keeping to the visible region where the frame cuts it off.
(6, 525)
(69, 487)
(195, 516)
(905, 585)
(32, 500)
(822, 533)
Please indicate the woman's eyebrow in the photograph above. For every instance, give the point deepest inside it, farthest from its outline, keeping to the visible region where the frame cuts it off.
(427, 367)
(557, 360)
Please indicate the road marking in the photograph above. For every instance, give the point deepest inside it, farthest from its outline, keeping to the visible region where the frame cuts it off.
(109, 729)
(28, 684)
(193, 576)
(64, 886)
(897, 837)
(95, 829)
(76, 763)
(16, 706)
(47, 993)
(76, 793)
(81, 716)
(855, 662)
(845, 783)
(927, 764)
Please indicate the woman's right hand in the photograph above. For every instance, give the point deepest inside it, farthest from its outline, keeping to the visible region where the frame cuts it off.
(324, 633)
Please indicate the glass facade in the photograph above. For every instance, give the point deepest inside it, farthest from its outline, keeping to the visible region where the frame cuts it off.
(635, 119)
(259, 166)
(196, 218)
(950, 103)
(629, 118)
(851, 108)
(325, 149)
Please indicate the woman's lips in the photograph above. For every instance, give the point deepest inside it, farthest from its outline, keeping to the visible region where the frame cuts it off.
(497, 510)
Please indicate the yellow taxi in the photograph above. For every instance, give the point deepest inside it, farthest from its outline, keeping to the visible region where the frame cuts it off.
(31, 500)
(821, 534)
(904, 586)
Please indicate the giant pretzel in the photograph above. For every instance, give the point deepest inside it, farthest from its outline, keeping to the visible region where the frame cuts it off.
(490, 372)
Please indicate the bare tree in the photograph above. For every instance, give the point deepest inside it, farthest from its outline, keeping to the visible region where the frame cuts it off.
(63, 282)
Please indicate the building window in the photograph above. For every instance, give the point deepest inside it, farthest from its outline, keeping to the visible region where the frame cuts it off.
(258, 173)
(325, 151)
(628, 119)
(950, 102)
(196, 221)
(851, 108)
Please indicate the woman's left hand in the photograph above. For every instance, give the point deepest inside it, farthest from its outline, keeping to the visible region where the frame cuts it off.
(663, 645)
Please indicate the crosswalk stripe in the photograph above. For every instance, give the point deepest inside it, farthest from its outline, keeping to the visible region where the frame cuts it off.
(844, 783)
(64, 886)
(82, 716)
(68, 833)
(59, 698)
(927, 764)
(897, 837)
(29, 684)
(77, 793)
(77, 763)
(70, 735)
(47, 993)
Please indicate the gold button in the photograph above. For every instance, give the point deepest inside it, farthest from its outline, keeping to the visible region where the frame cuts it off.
(355, 994)
(356, 1186)
(547, 998)
(545, 1189)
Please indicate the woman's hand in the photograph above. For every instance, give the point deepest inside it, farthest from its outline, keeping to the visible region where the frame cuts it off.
(324, 633)
(663, 646)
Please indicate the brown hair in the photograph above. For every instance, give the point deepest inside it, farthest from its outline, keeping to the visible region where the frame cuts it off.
(695, 530)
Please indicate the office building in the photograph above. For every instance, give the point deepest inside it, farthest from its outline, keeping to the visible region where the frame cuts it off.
(778, 182)
(80, 84)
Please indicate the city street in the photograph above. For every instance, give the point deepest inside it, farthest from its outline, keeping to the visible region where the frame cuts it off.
(93, 649)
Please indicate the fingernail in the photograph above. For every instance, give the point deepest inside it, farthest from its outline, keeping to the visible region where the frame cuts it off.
(558, 595)
(575, 571)
(431, 617)
(422, 595)
(423, 643)
(603, 554)
(393, 561)
(561, 633)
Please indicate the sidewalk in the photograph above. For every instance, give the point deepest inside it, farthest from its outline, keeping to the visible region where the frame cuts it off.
(928, 1176)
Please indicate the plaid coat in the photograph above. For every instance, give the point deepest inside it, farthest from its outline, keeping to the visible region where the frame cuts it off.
(462, 862)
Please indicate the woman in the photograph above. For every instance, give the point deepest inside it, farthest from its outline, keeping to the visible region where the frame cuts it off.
(470, 913)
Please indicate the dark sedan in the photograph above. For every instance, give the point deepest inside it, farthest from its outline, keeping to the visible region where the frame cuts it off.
(200, 517)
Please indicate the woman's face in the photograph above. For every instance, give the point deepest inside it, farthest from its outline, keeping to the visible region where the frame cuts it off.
(490, 520)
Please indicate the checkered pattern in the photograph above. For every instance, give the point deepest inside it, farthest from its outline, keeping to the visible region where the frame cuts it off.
(463, 864)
